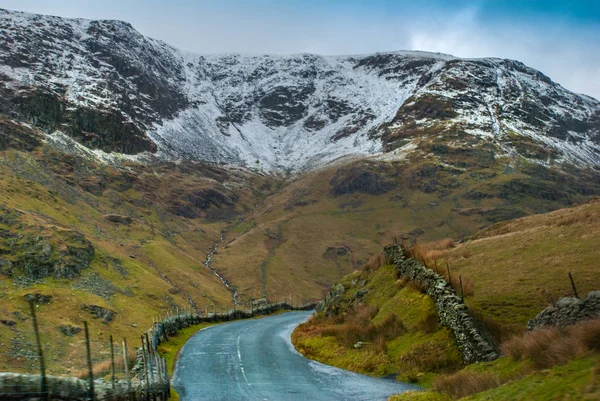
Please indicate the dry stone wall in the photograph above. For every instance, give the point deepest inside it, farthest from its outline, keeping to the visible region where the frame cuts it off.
(474, 344)
(567, 311)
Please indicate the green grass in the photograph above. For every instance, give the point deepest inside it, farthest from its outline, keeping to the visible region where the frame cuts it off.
(420, 396)
(577, 380)
(417, 355)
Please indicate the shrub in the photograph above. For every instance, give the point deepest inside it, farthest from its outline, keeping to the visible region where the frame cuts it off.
(430, 323)
(356, 326)
(465, 383)
(550, 347)
(427, 357)
(430, 251)
(374, 263)
(391, 328)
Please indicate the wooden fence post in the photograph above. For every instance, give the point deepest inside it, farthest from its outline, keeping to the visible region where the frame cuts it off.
(112, 363)
(126, 365)
(449, 276)
(145, 360)
(91, 392)
(40, 352)
(150, 348)
(462, 294)
(573, 285)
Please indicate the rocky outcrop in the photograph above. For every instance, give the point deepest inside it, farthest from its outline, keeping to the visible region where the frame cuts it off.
(99, 312)
(567, 311)
(475, 345)
(366, 178)
(328, 304)
(69, 330)
(38, 298)
(119, 219)
(35, 252)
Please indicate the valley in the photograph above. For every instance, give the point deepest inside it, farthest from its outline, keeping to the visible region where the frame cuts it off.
(137, 180)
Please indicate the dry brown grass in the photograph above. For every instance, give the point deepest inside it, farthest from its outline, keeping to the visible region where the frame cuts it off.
(374, 263)
(356, 326)
(390, 328)
(465, 383)
(430, 323)
(430, 251)
(415, 286)
(427, 357)
(551, 347)
(101, 369)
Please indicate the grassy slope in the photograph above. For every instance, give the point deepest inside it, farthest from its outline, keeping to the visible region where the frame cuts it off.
(577, 380)
(514, 265)
(406, 355)
(519, 265)
(161, 242)
(444, 195)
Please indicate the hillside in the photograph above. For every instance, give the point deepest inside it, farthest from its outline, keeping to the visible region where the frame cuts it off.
(512, 270)
(328, 223)
(131, 240)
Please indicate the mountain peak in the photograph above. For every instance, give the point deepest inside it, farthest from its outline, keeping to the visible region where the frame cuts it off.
(106, 86)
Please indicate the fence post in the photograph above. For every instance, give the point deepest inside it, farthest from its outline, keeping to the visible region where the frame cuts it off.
(91, 392)
(112, 363)
(40, 351)
(168, 377)
(150, 363)
(462, 294)
(126, 365)
(573, 285)
(449, 276)
(145, 360)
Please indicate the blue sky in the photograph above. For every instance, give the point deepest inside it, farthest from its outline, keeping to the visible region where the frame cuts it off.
(560, 38)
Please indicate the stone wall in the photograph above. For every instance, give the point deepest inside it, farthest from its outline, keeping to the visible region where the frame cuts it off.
(472, 340)
(567, 311)
(15, 387)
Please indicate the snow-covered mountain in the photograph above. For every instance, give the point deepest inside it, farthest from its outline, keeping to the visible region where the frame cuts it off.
(106, 86)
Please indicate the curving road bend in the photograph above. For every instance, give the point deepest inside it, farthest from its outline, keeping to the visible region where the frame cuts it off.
(254, 360)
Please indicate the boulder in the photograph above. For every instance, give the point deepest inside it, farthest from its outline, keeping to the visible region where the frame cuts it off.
(38, 298)
(69, 330)
(118, 219)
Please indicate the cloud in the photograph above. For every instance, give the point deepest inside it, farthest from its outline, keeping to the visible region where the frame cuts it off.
(563, 45)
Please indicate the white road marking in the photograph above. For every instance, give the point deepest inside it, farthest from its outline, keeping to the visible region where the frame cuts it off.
(240, 359)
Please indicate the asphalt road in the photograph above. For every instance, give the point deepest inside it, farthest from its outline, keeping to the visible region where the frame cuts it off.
(255, 360)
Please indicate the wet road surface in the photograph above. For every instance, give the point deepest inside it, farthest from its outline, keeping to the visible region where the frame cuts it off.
(254, 360)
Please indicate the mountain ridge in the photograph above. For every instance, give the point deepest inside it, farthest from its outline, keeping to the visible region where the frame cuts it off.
(108, 87)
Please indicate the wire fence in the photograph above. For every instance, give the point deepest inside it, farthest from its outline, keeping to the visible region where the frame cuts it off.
(48, 367)
(51, 368)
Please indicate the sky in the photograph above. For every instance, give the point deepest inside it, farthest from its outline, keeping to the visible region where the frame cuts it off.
(559, 38)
